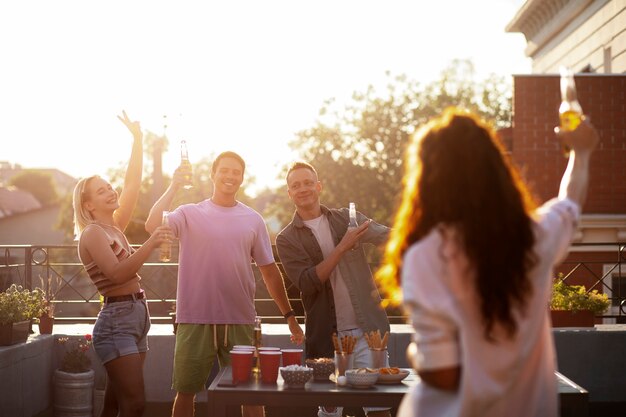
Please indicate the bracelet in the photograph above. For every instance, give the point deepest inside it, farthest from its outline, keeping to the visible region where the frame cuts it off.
(290, 313)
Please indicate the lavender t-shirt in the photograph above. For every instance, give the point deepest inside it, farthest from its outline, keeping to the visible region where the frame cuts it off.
(217, 245)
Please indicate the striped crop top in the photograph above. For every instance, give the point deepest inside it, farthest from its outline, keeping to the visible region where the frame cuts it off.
(122, 250)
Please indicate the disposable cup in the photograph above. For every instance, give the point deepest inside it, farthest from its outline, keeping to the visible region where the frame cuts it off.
(379, 358)
(343, 361)
(292, 357)
(269, 348)
(241, 363)
(244, 347)
(270, 362)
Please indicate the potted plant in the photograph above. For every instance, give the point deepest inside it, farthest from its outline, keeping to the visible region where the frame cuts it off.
(45, 311)
(574, 306)
(74, 379)
(17, 307)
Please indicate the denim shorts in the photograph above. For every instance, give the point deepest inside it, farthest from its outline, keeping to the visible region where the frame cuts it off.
(121, 329)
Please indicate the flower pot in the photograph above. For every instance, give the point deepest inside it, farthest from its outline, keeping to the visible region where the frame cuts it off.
(569, 318)
(13, 333)
(73, 393)
(45, 324)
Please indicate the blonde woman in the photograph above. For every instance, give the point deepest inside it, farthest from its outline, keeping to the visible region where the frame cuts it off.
(120, 332)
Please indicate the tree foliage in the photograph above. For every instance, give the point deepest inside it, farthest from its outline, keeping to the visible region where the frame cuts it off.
(40, 184)
(358, 150)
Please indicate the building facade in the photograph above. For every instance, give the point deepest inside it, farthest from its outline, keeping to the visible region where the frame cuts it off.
(588, 36)
(585, 35)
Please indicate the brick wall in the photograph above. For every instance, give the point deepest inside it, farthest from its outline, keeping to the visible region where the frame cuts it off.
(536, 100)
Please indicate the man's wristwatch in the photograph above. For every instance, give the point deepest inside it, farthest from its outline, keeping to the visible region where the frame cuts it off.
(288, 314)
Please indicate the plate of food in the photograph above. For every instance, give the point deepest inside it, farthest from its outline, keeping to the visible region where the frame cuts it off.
(392, 375)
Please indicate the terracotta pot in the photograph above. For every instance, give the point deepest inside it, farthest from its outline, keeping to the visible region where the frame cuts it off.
(568, 318)
(13, 333)
(45, 324)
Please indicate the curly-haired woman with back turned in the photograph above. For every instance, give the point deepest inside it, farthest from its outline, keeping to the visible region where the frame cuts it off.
(472, 257)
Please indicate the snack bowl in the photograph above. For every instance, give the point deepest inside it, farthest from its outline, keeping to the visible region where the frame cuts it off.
(362, 377)
(295, 376)
(322, 368)
(392, 375)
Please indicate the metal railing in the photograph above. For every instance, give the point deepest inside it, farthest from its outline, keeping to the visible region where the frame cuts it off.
(58, 271)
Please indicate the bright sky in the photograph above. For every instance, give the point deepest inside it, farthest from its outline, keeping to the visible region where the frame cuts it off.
(230, 75)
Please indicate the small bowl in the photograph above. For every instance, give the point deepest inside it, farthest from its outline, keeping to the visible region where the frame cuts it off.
(321, 370)
(361, 379)
(295, 376)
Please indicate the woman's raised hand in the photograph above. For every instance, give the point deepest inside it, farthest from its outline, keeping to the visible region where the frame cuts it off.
(133, 126)
(161, 234)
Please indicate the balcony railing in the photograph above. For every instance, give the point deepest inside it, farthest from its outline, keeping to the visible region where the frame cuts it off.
(57, 270)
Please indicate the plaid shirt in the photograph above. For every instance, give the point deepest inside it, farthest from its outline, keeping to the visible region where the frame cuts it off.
(300, 252)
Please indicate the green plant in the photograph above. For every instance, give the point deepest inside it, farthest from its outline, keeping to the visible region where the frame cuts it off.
(576, 298)
(50, 286)
(37, 303)
(75, 357)
(18, 304)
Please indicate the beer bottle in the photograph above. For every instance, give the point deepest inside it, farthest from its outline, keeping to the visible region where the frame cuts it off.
(353, 223)
(257, 345)
(184, 161)
(166, 247)
(352, 210)
(570, 111)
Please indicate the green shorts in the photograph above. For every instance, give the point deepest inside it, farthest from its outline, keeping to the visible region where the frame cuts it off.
(196, 349)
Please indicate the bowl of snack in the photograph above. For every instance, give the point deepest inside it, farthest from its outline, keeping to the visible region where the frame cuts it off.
(295, 376)
(322, 368)
(362, 377)
(391, 375)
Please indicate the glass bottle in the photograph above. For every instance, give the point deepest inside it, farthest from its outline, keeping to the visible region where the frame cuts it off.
(570, 111)
(352, 223)
(165, 253)
(257, 344)
(352, 210)
(184, 161)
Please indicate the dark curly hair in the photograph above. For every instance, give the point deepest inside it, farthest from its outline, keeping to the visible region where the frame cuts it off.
(458, 174)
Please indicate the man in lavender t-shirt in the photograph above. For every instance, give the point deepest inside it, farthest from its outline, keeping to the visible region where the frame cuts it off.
(219, 238)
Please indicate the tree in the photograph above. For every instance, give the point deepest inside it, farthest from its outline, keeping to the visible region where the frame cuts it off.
(40, 184)
(358, 151)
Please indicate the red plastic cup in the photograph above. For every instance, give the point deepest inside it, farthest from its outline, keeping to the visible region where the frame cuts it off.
(244, 347)
(270, 362)
(268, 348)
(292, 357)
(241, 363)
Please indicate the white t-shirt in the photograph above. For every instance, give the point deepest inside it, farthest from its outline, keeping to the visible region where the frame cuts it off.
(512, 377)
(346, 317)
